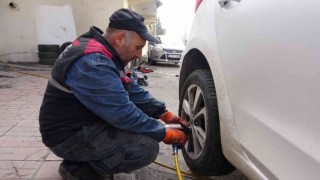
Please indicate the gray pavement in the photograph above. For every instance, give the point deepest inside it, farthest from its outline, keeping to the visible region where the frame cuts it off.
(23, 155)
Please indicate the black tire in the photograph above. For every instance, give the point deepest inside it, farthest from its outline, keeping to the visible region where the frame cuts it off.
(153, 62)
(47, 61)
(48, 55)
(63, 47)
(48, 47)
(203, 151)
(150, 60)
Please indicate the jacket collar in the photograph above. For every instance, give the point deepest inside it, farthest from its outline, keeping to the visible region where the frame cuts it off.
(96, 33)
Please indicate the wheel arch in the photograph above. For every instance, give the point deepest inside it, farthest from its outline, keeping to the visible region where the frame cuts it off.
(192, 61)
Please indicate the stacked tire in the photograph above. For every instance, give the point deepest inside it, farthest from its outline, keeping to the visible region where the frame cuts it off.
(48, 53)
(64, 46)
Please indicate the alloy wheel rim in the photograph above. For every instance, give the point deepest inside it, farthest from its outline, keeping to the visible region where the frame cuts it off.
(195, 112)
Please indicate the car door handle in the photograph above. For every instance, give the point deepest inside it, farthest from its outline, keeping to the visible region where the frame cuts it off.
(228, 3)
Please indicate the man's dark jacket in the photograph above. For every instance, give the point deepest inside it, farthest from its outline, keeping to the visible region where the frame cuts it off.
(61, 113)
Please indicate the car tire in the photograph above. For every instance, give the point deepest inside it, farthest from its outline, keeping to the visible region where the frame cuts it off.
(149, 58)
(153, 62)
(203, 151)
(48, 47)
(48, 55)
(64, 46)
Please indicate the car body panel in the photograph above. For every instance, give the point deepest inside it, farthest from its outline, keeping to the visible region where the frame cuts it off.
(229, 135)
(264, 59)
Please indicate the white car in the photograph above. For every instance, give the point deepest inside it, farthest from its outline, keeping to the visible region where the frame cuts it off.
(168, 51)
(250, 88)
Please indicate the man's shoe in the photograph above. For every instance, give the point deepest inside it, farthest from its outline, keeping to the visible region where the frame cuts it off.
(79, 171)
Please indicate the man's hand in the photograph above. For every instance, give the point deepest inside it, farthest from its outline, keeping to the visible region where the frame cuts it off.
(169, 118)
(174, 136)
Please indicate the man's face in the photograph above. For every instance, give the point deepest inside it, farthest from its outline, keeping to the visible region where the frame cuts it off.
(131, 51)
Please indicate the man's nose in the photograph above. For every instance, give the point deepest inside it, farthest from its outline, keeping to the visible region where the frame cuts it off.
(139, 54)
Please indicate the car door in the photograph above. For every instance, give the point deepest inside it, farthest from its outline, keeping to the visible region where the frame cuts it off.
(270, 55)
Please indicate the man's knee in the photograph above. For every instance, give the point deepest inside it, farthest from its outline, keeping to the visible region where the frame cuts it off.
(133, 155)
(153, 149)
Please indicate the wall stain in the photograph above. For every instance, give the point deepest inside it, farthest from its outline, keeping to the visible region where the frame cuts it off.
(64, 29)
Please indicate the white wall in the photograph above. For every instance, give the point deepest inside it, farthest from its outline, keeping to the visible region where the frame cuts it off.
(48, 21)
(57, 30)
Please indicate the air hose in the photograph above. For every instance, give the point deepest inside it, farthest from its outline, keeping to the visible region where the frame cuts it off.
(176, 147)
(173, 169)
(176, 162)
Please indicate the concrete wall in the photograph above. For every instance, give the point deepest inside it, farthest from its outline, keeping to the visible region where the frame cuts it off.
(34, 22)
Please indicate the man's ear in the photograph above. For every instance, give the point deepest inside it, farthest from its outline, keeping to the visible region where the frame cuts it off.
(120, 39)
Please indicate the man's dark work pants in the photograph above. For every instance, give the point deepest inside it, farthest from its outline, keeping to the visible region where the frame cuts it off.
(108, 150)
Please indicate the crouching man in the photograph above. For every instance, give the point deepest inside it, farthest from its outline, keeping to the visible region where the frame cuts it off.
(95, 117)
